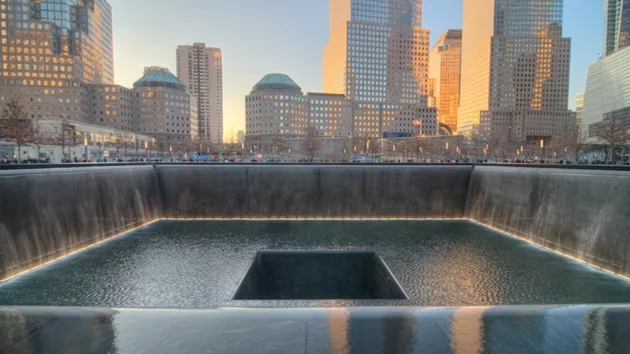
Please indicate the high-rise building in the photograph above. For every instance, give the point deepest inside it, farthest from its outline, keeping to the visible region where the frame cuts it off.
(50, 43)
(200, 68)
(377, 51)
(445, 74)
(617, 25)
(515, 70)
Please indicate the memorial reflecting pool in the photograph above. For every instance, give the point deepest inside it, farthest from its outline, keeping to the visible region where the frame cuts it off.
(200, 264)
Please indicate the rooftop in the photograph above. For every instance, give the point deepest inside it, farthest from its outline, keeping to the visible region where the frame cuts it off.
(159, 77)
(276, 81)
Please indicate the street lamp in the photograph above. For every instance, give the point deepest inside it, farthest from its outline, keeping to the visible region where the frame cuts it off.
(85, 143)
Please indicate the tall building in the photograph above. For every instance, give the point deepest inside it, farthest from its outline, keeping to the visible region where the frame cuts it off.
(617, 25)
(52, 43)
(445, 74)
(377, 51)
(515, 70)
(200, 68)
(607, 86)
(579, 108)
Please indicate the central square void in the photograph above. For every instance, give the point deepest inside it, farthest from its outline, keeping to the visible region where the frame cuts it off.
(286, 275)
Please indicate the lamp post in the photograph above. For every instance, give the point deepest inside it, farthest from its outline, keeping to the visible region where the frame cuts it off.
(85, 143)
(542, 147)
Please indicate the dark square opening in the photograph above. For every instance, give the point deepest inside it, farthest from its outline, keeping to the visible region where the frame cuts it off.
(318, 276)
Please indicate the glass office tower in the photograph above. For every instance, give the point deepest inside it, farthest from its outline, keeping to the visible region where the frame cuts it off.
(46, 42)
(377, 51)
(617, 25)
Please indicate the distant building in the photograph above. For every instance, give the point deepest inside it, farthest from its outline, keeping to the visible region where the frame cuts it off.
(200, 68)
(621, 115)
(445, 75)
(617, 25)
(579, 108)
(515, 70)
(331, 114)
(166, 110)
(377, 51)
(607, 86)
(277, 106)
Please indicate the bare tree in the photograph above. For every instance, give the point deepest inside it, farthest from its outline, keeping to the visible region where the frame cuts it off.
(16, 126)
(310, 144)
(279, 144)
(614, 132)
(62, 135)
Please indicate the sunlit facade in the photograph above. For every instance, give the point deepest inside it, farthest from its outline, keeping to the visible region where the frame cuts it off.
(330, 114)
(379, 120)
(617, 25)
(527, 72)
(200, 68)
(445, 76)
(53, 42)
(377, 51)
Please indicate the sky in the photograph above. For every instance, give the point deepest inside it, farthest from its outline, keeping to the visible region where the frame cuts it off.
(288, 36)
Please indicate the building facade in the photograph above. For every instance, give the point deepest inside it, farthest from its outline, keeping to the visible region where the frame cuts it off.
(166, 110)
(330, 114)
(377, 51)
(515, 70)
(579, 108)
(445, 77)
(617, 25)
(200, 68)
(52, 43)
(607, 86)
(277, 106)
(621, 116)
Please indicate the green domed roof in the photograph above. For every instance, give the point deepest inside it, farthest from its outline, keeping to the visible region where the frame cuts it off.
(159, 77)
(277, 82)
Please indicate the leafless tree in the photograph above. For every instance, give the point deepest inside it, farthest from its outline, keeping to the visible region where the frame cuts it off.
(16, 126)
(614, 132)
(279, 144)
(62, 135)
(310, 144)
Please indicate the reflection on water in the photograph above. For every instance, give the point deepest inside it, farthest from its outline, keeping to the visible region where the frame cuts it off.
(576, 329)
(467, 335)
(338, 330)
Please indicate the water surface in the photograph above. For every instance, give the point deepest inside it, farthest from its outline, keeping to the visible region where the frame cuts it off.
(199, 264)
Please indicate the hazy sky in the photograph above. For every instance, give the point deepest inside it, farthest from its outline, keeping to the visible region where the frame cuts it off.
(259, 37)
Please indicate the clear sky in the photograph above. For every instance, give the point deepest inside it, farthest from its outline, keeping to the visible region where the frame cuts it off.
(258, 37)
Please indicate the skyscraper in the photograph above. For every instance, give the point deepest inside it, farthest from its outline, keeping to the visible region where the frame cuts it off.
(48, 43)
(200, 68)
(445, 73)
(617, 25)
(377, 51)
(515, 70)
